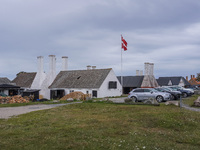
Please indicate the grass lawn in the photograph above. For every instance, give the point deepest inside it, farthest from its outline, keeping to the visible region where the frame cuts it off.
(103, 126)
(190, 100)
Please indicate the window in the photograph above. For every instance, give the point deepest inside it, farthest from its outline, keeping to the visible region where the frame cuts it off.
(112, 85)
(138, 90)
(147, 90)
(71, 91)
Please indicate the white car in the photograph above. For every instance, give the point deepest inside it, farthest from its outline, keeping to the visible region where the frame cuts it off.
(141, 94)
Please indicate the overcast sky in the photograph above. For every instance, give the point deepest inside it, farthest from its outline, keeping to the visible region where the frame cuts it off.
(163, 32)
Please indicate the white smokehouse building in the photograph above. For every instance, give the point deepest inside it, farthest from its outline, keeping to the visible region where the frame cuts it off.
(97, 82)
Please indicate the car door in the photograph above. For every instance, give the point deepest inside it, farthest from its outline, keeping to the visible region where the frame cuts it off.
(139, 93)
(148, 94)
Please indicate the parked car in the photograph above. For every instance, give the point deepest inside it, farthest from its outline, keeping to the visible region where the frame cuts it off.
(185, 93)
(174, 94)
(141, 94)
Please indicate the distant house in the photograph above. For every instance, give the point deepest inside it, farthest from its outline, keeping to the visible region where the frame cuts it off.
(131, 82)
(24, 79)
(139, 81)
(4, 80)
(8, 88)
(171, 81)
(193, 81)
(97, 82)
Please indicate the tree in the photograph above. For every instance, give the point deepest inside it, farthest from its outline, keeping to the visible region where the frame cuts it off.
(198, 77)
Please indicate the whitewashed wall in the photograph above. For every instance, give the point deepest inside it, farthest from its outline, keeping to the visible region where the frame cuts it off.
(104, 91)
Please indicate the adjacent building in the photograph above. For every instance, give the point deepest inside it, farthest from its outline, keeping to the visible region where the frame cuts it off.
(173, 81)
(139, 81)
(8, 88)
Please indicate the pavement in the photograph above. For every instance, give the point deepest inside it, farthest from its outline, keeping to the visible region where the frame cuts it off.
(8, 112)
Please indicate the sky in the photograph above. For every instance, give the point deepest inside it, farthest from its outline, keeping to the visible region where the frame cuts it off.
(166, 33)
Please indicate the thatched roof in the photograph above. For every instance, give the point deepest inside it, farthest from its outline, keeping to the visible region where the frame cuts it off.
(24, 79)
(4, 80)
(80, 78)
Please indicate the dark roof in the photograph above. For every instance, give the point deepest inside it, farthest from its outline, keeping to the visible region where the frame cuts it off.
(4, 80)
(131, 81)
(8, 86)
(24, 79)
(31, 91)
(163, 81)
(80, 78)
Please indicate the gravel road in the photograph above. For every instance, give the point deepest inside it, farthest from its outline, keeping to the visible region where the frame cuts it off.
(7, 112)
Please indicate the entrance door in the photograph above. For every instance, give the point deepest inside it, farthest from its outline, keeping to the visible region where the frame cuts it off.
(94, 93)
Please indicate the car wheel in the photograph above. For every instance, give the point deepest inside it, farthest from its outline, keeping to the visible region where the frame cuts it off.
(173, 97)
(134, 99)
(185, 95)
(159, 98)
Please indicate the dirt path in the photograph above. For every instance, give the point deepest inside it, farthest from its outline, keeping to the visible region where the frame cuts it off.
(190, 108)
(7, 112)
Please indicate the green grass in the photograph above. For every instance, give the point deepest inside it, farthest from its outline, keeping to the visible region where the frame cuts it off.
(190, 100)
(103, 126)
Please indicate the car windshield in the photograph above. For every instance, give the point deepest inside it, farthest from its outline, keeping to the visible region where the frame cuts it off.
(166, 89)
(169, 89)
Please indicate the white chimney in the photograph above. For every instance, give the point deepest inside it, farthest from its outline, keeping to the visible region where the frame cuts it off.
(137, 73)
(141, 72)
(64, 63)
(88, 67)
(151, 68)
(146, 67)
(52, 65)
(40, 64)
(93, 67)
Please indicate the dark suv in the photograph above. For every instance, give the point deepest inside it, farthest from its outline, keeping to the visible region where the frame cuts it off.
(185, 93)
(174, 94)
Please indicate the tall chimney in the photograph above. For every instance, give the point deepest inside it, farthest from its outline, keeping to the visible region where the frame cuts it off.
(40, 64)
(137, 73)
(52, 64)
(146, 67)
(151, 69)
(187, 78)
(93, 67)
(191, 76)
(64, 63)
(88, 67)
(141, 72)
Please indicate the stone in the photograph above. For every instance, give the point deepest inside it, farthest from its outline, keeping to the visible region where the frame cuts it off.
(70, 99)
(129, 100)
(176, 103)
(56, 101)
(148, 102)
(151, 101)
(197, 102)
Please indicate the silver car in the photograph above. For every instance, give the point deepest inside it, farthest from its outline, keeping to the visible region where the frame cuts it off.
(141, 94)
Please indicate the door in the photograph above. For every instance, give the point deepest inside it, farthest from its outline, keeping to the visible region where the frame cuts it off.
(139, 93)
(148, 94)
(94, 93)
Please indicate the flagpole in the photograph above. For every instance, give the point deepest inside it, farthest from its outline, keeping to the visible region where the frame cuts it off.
(121, 67)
